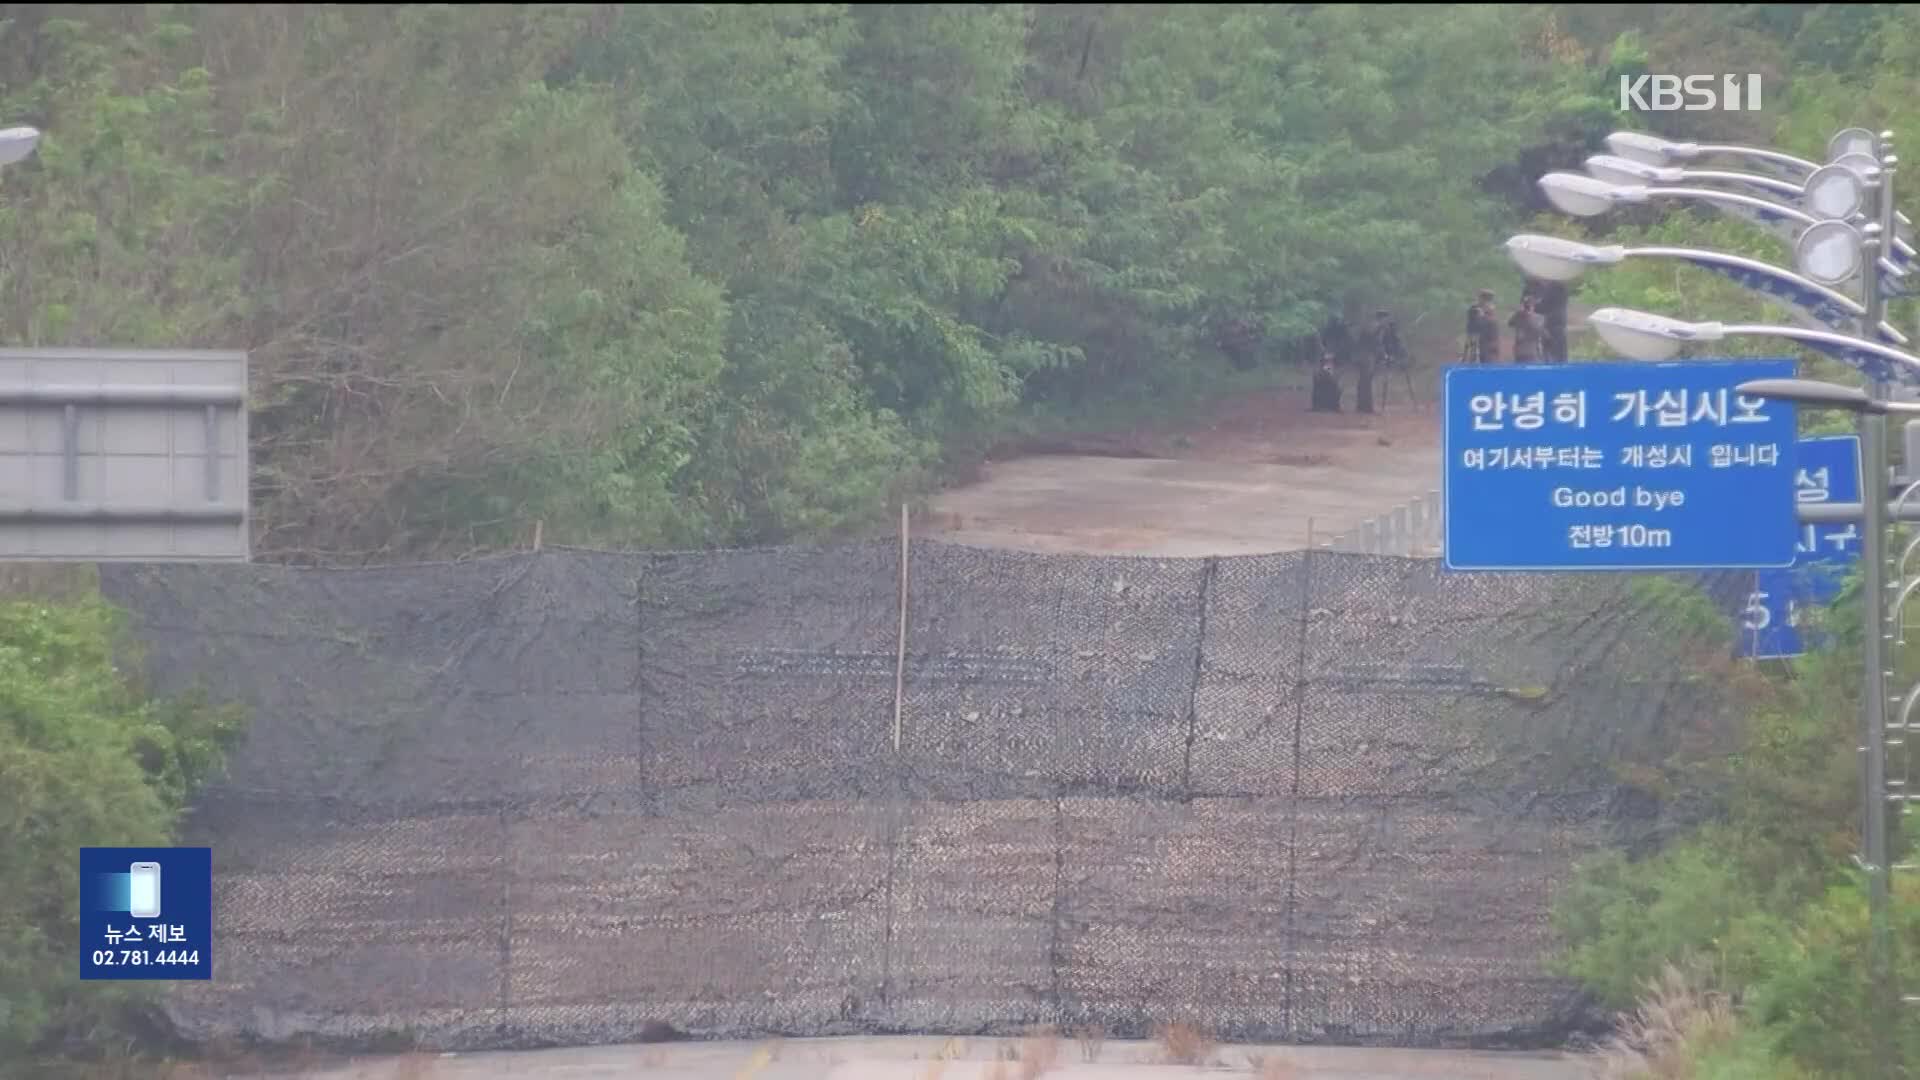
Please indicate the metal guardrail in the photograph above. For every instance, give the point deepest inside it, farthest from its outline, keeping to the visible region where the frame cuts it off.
(1411, 529)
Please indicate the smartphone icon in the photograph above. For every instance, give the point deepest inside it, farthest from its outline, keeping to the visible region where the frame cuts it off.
(143, 893)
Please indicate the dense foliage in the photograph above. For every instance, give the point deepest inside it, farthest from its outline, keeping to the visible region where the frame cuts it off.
(1762, 905)
(86, 758)
(693, 274)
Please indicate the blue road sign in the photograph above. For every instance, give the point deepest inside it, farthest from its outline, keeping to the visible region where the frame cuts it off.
(1770, 623)
(1620, 466)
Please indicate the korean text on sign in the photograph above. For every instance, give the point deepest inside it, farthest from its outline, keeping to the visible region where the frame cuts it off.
(1771, 622)
(146, 913)
(1616, 466)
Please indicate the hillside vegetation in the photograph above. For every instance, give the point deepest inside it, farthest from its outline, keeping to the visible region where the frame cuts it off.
(710, 275)
(701, 275)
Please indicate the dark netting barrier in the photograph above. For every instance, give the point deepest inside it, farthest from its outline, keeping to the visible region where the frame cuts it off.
(571, 796)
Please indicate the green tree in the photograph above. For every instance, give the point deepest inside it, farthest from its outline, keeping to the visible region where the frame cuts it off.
(86, 758)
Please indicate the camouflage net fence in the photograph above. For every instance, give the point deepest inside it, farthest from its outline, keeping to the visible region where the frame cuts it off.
(566, 797)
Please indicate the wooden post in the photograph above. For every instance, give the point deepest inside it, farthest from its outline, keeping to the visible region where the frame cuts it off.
(537, 528)
(900, 653)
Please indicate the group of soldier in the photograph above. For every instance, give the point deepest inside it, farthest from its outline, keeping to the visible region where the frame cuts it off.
(1376, 349)
(1539, 326)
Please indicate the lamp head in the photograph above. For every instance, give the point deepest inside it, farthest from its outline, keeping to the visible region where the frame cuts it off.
(1623, 170)
(1551, 258)
(1820, 395)
(1866, 166)
(16, 143)
(1581, 196)
(1639, 335)
(1834, 192)
(1830, 252)
(1649, 149)
(1853, 140)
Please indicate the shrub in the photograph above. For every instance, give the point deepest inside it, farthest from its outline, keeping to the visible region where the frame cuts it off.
(86, 759)
(1184, 1043)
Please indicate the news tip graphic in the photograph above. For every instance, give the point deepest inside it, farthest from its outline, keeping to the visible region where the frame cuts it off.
(146, 913)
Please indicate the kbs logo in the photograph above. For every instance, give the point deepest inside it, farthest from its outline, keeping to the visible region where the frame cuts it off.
(1695, 93)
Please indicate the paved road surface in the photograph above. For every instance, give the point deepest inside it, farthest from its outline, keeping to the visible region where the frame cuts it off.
(934, 1058)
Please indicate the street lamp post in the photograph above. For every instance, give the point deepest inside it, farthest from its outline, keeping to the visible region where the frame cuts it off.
(1641, 335)
(1652, 337)
(1619, 170)
(1654, 150)
(1836, 191)
(1829, 250)
(1851, 146)
(1588, 196)
(1870, 409)
(1554, 258)
(1877, 584)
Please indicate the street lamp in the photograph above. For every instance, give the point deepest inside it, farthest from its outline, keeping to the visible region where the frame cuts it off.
(1830, 252)
(1588, 196)
(1552, 258)
(1853, 140)
(1826, 395)
(1827, 253)
(16, 143)
(1854, 147)
(1870, 411)
(1640, 335)
(1655, 150)
(1831, 191)
(1840, 190)
(1620, 170)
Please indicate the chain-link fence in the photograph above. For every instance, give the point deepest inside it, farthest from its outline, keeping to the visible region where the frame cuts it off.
(570, 796)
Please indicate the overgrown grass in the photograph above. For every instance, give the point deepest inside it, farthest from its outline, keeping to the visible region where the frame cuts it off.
(1039, 1052)
(1091, 1037)
(1183, 1042)
(1676, 1022)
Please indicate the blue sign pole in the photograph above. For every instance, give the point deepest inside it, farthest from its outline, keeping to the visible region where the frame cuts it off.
(1829, 471)
(1624, 466)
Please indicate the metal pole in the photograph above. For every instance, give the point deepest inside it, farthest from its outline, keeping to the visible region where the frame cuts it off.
(900, 654)
(1873, 772)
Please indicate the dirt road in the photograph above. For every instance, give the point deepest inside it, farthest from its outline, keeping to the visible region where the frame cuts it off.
(1249, 482)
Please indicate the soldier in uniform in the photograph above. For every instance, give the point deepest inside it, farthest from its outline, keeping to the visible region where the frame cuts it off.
(1326, 386)
(1380, 351)
(1338, 340)
(1529, 332)
(1483, 332)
